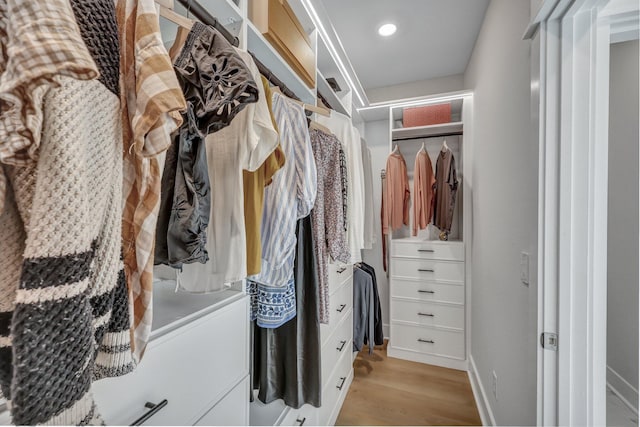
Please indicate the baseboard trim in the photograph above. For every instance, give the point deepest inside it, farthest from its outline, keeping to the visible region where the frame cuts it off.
(486, 414)
(621, 387)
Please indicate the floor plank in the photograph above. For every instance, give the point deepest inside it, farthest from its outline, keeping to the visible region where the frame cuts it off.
(388, 391)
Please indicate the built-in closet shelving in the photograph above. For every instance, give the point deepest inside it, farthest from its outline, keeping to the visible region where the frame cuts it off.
(429, 278)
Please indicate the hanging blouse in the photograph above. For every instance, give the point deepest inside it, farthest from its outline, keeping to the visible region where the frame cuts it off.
(290, 196)
(424, 185)
(245, 144)
(446, 189)
(369, 236)
(151, 98)
(327, 215)
(217, 86)
(341, 126)
(396, 194)
(254, 185)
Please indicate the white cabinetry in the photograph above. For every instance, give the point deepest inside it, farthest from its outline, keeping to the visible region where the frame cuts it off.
(200, 368)
(428, 304)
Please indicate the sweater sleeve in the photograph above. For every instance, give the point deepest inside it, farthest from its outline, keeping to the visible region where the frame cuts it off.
(333, 209)
(418, 196)
(407, 195)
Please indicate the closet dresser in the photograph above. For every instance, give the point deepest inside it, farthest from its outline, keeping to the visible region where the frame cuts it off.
(429, 278)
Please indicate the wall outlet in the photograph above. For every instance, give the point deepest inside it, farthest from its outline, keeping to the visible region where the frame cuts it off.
(494, 384)
(524, 268)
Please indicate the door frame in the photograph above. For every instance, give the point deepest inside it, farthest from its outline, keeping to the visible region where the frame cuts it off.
(571, 123)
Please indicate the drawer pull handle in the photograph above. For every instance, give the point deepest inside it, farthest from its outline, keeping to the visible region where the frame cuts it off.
(427, 341)
(426, 270)
(301, 421)
(342, 344)
(343, 379)
(342, 270)
(426, 314)
(426, 250)
(342, 307)
(153, 409)
(422, 291)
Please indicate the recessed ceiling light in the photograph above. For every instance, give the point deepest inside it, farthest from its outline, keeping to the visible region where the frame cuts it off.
(386, 30)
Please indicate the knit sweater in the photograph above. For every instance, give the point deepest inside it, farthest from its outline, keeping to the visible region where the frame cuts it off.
(60, 257)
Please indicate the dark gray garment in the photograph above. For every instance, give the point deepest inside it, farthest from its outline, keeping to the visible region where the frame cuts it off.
(287, 359)
(185, 199)
(363, 309)
(378, 338)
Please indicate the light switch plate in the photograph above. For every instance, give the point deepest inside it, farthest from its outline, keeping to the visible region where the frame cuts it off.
(524, 268)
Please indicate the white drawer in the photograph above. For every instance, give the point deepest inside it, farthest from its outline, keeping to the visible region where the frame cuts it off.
(191, 367)
(427, 291)
(232, 410)
(340, 342)
(445, 271)
(336, 385)
(338, 274)
(449, 251)
(340, 303)
(429, 341)
(428, 314)
(306, 415)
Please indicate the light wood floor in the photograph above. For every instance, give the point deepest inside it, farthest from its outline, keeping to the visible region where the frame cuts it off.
(388, 391)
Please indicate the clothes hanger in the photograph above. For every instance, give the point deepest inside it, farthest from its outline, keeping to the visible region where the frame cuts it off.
(445, 147)
(176, 18)
(166, 3)
(321, 128)
(395, 149)
(424, 148)
(318, 110)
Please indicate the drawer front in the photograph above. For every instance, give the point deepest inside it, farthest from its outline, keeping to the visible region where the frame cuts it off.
(427, 291)
(446, 271)
(335, 386)
(338, 274)
(305, 416)
(232, 410)
(428, 314)
(340, 342)
(429, 250)
(429, 341)
(191, 367)
(340, 303)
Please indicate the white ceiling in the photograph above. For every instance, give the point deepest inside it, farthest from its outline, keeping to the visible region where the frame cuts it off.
(435, 38)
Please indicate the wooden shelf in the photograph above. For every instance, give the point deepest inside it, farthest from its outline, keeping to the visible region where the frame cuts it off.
(426, 131)
(262, 49)
(332, 98)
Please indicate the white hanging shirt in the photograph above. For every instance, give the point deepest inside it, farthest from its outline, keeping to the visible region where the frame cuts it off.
(244, 144)
(341, 126)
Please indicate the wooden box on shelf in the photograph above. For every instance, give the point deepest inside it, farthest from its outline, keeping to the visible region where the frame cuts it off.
(278, 23)
(426, 115)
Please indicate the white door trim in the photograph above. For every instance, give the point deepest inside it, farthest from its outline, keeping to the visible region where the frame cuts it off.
(573, 134)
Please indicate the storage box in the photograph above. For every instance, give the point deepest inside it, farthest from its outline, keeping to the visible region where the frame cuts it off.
(278, 23)
(426, 115)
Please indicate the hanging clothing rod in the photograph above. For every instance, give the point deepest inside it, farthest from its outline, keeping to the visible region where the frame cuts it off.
(206, 18)
(437, 135)
(193, 6)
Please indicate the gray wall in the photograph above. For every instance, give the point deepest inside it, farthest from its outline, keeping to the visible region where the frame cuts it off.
(622, 318)
(505, 190)
(377, 136)
(415, 89)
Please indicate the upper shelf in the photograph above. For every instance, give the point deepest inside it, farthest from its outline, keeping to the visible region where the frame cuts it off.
(325, 90)
(426, 131)
(265, 52)
(328, 68)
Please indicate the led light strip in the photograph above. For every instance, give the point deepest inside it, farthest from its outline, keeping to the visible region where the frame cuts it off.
(422, 101)
(332, 50)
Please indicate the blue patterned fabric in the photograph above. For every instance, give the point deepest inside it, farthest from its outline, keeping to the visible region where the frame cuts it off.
(272, 306)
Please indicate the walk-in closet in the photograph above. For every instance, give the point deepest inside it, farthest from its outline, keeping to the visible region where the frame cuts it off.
(319, 212)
